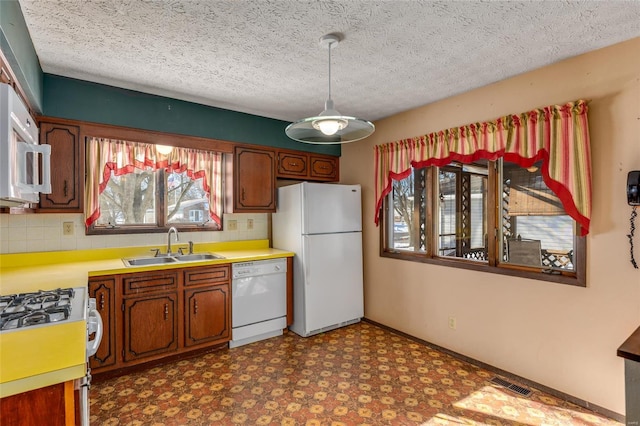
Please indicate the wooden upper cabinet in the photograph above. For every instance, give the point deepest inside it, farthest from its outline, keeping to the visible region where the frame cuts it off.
(67, 165)
(293, 165)
(254, 180)
(5, 75)
(324, 168)
(305, 166)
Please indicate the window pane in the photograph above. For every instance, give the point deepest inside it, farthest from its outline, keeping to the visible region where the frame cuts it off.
(536, 231)
(403, 206)
(187, 202)
(448, 215)
(129, 199)
(462, 211)
(406, 221)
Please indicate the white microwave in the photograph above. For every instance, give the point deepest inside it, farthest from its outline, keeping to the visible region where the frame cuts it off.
(21, 157)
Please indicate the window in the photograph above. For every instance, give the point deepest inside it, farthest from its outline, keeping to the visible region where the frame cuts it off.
(491, 216)
(133, 187)
(507, 196)
(462, 212)
(535, 230)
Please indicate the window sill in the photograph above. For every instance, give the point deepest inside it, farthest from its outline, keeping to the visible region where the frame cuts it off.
(483, 267)
(147, 230)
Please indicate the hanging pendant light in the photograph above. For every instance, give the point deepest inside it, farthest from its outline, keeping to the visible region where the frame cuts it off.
(329, 127)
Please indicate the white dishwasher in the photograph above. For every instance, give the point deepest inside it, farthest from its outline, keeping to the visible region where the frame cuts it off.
(258, 300)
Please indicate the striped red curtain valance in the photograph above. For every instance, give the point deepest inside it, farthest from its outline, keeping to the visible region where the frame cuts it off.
(107, 156)
(557, 135)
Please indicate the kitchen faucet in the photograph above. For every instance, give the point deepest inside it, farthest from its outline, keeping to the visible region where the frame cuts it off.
(175, 231)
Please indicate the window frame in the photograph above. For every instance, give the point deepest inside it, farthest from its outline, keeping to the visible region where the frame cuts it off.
(161, 225)
(493, 264)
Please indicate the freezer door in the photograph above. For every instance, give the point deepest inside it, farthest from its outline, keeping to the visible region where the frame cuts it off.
(329, 208)
(333, 289)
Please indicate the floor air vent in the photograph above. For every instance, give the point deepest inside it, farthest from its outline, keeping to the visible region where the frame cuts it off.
(511, 386)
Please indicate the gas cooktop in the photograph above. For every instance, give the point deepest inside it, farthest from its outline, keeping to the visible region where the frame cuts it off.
(41, 308)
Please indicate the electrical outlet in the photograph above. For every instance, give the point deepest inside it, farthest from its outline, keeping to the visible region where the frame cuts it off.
(67, 228)
(232, 225)
(452, 323)
(249, 224)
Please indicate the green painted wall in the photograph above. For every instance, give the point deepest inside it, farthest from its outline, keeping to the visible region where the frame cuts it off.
(17, 47)
(82, 100)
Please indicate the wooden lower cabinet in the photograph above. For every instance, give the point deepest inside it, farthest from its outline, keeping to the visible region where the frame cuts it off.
(206, 314)
(150, 326)
(52, 406)
(151, 315)
(103, 289)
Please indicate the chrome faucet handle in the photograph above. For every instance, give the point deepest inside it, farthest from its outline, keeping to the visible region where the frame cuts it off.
(156, 252)
(181, 251)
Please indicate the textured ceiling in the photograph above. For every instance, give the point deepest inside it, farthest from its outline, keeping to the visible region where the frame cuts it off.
(263, 57)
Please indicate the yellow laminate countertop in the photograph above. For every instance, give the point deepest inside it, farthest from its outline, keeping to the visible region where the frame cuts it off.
(22, 364)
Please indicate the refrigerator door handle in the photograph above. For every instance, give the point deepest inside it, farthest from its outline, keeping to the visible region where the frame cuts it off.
(307, 264)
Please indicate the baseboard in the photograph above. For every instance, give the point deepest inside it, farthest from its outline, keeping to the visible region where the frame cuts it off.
(569, 398)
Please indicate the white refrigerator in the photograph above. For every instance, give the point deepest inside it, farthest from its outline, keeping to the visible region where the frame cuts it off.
(322, 225)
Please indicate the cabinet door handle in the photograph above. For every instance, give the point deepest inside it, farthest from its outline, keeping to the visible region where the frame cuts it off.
(166, 311)
(294, 164)
(242, 194)
(102, 301)
(195, 306)
(65, 189)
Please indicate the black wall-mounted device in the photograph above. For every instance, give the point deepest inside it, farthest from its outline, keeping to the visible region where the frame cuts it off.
(633, 188)
(633, 198)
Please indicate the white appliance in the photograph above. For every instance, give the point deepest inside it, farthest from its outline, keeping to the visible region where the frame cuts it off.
(322, 225)
(20, 181)
(258, 300)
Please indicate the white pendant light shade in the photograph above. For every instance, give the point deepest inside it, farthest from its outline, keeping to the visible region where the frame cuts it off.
(329, 127)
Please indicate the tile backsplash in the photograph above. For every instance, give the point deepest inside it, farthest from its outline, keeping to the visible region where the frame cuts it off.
(20, 233)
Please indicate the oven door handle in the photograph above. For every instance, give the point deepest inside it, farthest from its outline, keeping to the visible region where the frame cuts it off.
(94, 325)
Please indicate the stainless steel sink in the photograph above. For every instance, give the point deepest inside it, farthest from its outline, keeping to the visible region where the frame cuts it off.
(197, 256)
(146, 261)
(178, 258)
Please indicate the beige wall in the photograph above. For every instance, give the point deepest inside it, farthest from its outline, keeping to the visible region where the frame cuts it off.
(561, 336)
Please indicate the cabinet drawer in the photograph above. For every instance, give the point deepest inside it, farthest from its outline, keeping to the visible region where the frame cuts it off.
(151, 282)
(207, 275)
